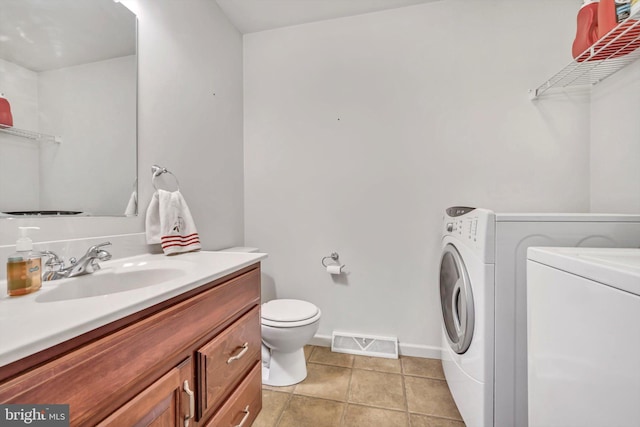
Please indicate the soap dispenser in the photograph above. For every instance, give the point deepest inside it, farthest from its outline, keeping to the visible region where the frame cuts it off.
(24, 268)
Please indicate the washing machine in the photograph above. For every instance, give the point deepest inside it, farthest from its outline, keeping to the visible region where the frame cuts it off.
(484, 306)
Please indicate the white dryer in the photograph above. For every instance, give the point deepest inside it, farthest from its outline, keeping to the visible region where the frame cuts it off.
(483, 296)
(584, 337)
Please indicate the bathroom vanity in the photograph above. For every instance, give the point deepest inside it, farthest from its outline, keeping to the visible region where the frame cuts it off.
(188, 357)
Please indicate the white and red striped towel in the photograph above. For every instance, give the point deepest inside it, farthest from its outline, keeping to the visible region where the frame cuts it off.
(169, 222)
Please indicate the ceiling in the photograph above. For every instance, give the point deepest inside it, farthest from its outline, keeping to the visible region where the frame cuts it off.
(43, 35)
(250, 16)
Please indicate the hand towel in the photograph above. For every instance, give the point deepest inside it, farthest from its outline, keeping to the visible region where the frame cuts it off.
(169, 222)
(132, 205)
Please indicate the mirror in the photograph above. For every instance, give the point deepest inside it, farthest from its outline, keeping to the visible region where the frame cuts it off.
(68, 70)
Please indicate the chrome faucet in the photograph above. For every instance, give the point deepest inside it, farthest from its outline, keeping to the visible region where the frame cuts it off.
(87, 264)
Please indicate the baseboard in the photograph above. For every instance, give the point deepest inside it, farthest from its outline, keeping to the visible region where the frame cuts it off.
(414, 350)
(321, 340)
(417, 350)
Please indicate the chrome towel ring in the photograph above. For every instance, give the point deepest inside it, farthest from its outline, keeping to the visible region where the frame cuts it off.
(156, 171)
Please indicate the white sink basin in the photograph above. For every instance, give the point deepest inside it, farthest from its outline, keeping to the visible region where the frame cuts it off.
(115, 277)
(109, 281)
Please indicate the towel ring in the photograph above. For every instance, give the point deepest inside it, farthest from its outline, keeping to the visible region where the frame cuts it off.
(156, 171)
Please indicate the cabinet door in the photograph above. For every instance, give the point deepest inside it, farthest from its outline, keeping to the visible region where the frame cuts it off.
(225, 360)
(168, 402)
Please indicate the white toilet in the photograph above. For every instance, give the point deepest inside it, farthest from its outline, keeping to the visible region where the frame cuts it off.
(287, 325)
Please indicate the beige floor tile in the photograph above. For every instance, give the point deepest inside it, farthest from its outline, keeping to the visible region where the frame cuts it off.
(379, 364)
(364, 416)
(427, 421)
(379, 389)
(325, 356)
(329, 382)
(273, 403)
(421, 367)
(430, 397)
(282, 389)
(303, 411)
(308, 350)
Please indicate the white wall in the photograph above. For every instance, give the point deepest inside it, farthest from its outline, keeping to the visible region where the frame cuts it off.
(94, 107)
(360, 131)
(615, 143)
(19, 157)
(188, 50)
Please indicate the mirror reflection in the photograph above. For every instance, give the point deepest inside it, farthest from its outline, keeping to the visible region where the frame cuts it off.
(68, 73)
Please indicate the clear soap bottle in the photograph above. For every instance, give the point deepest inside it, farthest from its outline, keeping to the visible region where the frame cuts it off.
(24, 268)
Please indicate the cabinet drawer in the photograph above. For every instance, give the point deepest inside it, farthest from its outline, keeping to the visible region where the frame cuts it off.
(242, 408)
(225, 360)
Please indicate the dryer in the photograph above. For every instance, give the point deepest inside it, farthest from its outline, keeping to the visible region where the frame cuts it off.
(583, 332)
(483, 300)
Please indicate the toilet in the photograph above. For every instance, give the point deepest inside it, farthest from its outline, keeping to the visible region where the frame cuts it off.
(287, 326)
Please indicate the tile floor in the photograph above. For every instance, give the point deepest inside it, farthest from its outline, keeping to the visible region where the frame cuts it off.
(343, 390)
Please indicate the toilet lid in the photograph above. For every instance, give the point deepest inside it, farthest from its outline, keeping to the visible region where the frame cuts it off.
(288, 310)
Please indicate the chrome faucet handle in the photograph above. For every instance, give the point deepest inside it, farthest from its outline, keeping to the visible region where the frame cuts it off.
(54, 262)
(95, 250)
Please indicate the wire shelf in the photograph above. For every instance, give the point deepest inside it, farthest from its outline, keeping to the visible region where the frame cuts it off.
(36, 136)
(614, 51)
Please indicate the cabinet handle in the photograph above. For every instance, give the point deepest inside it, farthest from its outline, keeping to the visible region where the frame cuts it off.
(245, 348)
(192, 403)
(246, 416)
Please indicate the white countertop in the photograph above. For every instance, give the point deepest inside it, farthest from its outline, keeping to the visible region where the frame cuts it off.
(34, 322)
(615, 267)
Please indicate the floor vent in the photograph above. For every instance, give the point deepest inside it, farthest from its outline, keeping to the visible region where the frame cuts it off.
(366, 345)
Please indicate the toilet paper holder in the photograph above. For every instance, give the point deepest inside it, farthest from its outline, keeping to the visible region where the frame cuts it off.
(334, 256)
(335, 267)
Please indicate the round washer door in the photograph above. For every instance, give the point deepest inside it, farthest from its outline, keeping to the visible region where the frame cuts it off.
(456, 299)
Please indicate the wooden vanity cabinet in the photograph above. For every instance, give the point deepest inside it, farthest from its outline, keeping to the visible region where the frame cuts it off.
(191, 361)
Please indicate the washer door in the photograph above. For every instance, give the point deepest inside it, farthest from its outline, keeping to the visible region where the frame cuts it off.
(456, 299)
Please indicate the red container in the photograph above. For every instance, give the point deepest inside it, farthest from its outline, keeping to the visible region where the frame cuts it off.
(596, 38)
(607, 19)
(612, 13)
(624, 40)
(6, 119)
(587, 29)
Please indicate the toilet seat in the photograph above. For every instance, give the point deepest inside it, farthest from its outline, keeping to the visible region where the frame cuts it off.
(288, 313)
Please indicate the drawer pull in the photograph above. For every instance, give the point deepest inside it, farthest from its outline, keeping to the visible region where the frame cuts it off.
(245, 418)
(245, 348)
(192, 403)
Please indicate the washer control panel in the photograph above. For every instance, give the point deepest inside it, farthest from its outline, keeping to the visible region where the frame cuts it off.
(466, 227)
(473, 226)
